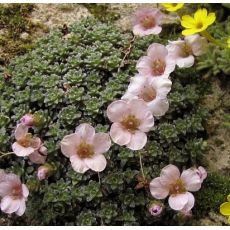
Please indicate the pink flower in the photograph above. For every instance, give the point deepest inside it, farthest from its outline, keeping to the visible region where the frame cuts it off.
(85, 148)
(152, 90)
(43, 172)
(14, 194)
(183, 51)
(176, 186)
(39, 156)
(157, 63)
(146, 21)
(155, 209)
(27, 120)
(201, 172)
(132, 119)
(25, 143)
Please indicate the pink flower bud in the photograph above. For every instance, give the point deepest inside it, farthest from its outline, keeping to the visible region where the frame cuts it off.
(202, 173)
(155, 209)
(43, 172)
(27, 120)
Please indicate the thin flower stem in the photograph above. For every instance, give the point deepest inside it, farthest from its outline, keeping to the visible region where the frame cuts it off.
(99, 178)
(212, 39)
(142, 171)
(6, 154)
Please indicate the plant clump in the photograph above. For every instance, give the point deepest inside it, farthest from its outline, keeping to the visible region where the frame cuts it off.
(69, 80)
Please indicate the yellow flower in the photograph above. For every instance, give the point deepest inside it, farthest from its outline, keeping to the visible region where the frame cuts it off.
(172, 6)
(228, 42)
(198, 23)
(225, 208)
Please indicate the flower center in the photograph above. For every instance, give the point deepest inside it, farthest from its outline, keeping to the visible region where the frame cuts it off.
(158, 67)
(186, 50)
(177, 188)
(85, 150)
(16, 191)
(148, 94)
(131, 123)
(27, 141)
(148, 22)
(199, 25)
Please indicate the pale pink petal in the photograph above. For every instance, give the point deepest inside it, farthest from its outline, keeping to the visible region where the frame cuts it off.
(170, 66)
(157, 51)
(155, 30)
(137, 83)
(101, 143)
(21, 131)
(138, 108)
(37, 158)
(185, 62)
(117, 110)
(161, 85)
(147, 122)
(129, 96)
(9, 205)
(21, 151)
(97, 162)
(78, 164)
(25, 190)
(86, 132)
(158, 190)
(139, 30)
(144, 66)
(190, 203)
(5, 188)
(178, 202)
(69, 144)
(22, 208)
(202, 173)
(169, 174)
(191, 180)
(119, 135)
(138, 140)
(198, 44)
(159, 106)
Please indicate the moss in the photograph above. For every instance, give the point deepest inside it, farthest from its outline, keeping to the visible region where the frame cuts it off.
(14, 20)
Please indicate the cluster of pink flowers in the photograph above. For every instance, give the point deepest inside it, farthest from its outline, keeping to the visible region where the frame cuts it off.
(132, 117)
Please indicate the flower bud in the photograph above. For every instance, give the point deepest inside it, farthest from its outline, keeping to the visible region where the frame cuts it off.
(202, 173)
(156, 209)
(27, 120)
(44, 171)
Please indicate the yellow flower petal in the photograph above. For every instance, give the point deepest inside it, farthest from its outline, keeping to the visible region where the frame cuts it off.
(225, 209)
(228, 198)
(200, 14)
(187, 21)
(229, 219)
(210, 19)
(172, 6)
(189, 32)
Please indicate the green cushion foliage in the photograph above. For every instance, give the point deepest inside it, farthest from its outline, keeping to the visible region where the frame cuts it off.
(70, 81)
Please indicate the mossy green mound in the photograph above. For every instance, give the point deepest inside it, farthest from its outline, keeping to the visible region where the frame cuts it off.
(67, 81)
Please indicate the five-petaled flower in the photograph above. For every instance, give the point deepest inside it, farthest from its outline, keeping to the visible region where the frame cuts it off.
(25, 143)
(171, 7)
(85, 148)
(183, 51)
(13, 193)
(176, 186)
(146, 21)
(131, 120)
(157, 63)
(225, 208)
(152, 90)
(200, 22)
